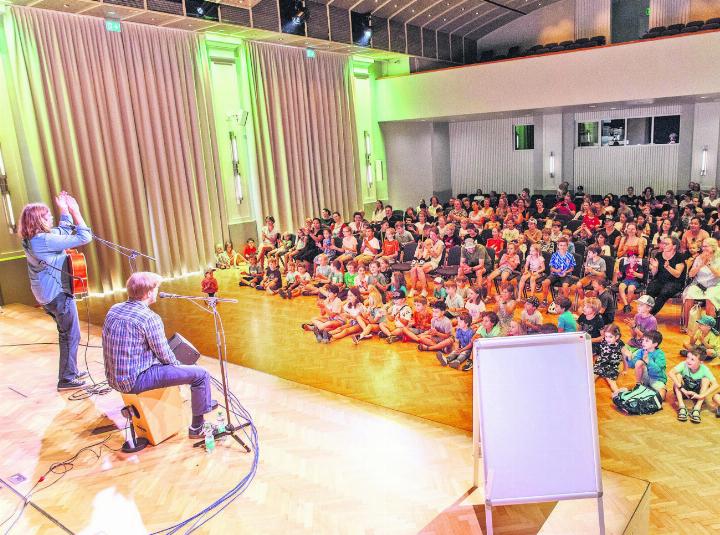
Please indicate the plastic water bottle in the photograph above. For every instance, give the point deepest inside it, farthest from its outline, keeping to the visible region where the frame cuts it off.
(209, 438)
(220, 425)
(220, 422)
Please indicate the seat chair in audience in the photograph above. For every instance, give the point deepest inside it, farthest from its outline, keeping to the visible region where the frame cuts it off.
(406, 257)
(450, 268)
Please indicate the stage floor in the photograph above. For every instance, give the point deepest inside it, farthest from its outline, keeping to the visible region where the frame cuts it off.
(264, 334)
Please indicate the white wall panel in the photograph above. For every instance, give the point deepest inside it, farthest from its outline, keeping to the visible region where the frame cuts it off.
(483, 156)
(592, 17)
(665, 12)
(705, 134)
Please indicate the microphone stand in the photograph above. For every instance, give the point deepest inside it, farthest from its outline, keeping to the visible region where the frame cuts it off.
(131, 254)
(230, 429)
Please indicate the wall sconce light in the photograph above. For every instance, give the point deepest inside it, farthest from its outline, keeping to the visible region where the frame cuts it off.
(551, 164)
(368, 160)
(236, 120)
(703, 161)
(6, 200)
(237, 178)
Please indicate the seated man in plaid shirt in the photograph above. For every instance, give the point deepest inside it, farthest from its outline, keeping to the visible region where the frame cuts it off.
(137, 354)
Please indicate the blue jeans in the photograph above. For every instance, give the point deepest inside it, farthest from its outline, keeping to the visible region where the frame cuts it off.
(163, 375)
(64, 311)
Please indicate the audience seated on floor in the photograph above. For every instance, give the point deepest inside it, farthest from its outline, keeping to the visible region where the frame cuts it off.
(427, 275)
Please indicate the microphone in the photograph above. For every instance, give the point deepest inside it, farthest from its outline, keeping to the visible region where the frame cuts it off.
(163, 295)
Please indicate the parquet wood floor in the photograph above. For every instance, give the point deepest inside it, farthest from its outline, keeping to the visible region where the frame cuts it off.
(680, 460)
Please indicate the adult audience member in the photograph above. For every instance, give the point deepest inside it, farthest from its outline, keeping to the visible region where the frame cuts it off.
(705, 275)
(668, 272)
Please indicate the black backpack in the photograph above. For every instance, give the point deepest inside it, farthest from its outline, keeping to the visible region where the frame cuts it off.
(639, 400)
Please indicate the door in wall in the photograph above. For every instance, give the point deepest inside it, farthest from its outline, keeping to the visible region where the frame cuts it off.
(629, 19)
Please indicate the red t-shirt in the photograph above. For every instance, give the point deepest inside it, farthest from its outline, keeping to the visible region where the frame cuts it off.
(248, 250)
(422, 320)
(591, 222)
(389, 248)
(496, 244)
(209, 286)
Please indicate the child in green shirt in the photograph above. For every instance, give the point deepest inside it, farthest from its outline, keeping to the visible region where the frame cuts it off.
(566, 321)
(694, 381)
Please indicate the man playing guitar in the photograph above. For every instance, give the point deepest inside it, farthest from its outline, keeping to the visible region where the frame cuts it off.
(45, 247)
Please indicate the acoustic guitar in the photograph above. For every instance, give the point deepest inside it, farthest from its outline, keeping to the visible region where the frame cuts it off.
(76, 266)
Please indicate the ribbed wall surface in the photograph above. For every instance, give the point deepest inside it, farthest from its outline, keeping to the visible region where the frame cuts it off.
(235, 15)
(429, 45)
(482, 155)
(340, 25)
(165, 6)
(592, 17)
(380, 37)
(265, 15)
(397, 37)
(443, 41)
(414, 40)
(665, 12)
(456, 43)
(317, 23)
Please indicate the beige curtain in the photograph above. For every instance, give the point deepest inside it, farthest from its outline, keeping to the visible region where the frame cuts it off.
(124, 122)
(305, 131)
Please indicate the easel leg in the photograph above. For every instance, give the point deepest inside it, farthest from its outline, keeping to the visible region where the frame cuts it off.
(601, 515)
(488, 519)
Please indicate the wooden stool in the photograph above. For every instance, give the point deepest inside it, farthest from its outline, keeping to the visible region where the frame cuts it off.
(160, 413)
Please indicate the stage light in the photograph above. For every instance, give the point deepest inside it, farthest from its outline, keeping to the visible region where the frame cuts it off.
(294, 15)
(703, 163)
(361, 28)
(551, 165)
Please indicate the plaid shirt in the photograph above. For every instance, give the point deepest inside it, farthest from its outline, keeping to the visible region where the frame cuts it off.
(133, 340)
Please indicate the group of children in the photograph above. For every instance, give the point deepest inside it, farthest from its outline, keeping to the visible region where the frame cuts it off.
(364, 297)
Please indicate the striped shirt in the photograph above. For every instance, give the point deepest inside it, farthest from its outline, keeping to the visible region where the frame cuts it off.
(133, 339)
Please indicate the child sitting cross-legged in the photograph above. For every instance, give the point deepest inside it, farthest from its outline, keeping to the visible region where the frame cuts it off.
(352, 314)
(693, 380)
(329, 318)
(649, 363)
(455, 303)
(439, 336)
(461, 345)
(530, 318)
(421, 320)
(474, 304)
(272, 281)
(609, 356)
(704, 341)
(373, 316)
(254, 274)
(489, 328)
(566, 321)
(643, 322)
(299, 283)
(396, 319)
(320, 278)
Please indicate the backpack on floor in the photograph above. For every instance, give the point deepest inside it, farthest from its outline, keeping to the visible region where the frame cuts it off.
(639, 400)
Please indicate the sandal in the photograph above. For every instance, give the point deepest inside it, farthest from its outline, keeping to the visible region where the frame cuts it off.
(682, 414)
(695, 416)
(422, 347)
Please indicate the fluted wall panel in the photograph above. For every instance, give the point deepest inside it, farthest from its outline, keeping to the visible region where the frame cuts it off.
(592, 17)
(483, 156)
(665, 12)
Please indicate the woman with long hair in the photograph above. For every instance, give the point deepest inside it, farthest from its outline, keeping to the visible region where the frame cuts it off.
(44, 246)
(705, 275)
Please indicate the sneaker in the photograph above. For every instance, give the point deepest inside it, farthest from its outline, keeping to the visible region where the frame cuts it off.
(197, 433)
(627, 309)
(442, 359)
(717, 412)
(454, 364)
(70, 385)
(468, 365)
(318, 333)
(81, 375)
(382, 335)
(392, 339)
